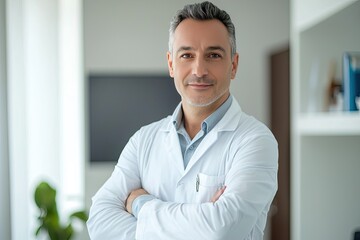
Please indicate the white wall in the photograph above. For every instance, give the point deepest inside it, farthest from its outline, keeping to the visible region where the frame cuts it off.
(131, 36)
(44, 67)
(17, 130)
(4, 157)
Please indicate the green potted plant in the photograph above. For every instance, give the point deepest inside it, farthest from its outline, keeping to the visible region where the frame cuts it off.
(49, 220)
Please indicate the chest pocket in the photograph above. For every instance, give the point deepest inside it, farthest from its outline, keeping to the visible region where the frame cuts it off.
(207, 186)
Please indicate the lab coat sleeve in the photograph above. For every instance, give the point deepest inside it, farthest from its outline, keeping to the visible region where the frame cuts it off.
(108, 218)
(251, 185)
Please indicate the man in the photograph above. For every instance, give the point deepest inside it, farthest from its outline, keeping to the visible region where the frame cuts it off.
(209, 171)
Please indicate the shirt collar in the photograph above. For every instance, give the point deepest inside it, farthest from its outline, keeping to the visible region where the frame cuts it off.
(209, 123)
(177, 116)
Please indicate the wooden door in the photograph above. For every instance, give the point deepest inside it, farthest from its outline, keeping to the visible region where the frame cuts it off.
(280, 126)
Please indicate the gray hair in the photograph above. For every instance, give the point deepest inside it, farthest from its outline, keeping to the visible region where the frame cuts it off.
(203, 11)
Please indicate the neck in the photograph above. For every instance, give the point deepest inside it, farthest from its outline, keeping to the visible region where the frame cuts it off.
(193, 120)
(194, 115)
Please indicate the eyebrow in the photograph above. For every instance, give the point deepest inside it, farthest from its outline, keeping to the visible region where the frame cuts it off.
(184, 48)
(211, 48)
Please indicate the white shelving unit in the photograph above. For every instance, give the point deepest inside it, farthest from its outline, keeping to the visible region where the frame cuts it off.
(329, 124)
(325, 168)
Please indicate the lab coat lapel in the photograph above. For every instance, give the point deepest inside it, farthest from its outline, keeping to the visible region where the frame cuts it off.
(204, 146)
(227, 123)
(173, 146)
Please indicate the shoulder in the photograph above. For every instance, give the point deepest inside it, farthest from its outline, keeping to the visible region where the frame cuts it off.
(253, 144)
(162, 125)
(253, 133)
(252, 126)
(243, 125)
(147, 135)
(246, 132)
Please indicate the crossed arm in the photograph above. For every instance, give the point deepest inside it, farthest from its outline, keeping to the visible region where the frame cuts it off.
(231, 214)
(140, 192)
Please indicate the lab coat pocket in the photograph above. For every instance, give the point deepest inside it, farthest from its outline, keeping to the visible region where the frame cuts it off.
(207, 186)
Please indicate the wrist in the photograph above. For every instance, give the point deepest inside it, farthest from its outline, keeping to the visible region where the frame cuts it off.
(139, 202)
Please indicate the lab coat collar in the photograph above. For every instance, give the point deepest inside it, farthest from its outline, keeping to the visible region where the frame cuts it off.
(229, 122)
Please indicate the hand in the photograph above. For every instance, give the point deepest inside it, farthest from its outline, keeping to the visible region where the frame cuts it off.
(134, 194)
(218, 194)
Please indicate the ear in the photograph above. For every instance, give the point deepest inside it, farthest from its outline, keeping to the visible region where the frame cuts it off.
(234, 65)
(170, 64)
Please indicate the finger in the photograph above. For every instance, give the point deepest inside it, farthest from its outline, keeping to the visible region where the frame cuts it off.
(218, 194)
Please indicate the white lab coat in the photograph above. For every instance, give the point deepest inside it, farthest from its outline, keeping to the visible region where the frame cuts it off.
(239, 152)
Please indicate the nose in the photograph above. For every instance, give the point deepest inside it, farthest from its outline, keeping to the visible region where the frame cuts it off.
(200, 68)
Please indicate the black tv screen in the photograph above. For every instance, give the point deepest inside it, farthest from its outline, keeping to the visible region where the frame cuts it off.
(119, 105)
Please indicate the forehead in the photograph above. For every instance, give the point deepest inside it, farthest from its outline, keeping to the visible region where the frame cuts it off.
(201, 34)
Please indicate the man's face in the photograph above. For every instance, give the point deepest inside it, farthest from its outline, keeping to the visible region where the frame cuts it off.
(201, 62)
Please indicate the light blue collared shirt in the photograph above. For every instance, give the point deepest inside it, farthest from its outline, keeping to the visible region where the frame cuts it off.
(188, 146)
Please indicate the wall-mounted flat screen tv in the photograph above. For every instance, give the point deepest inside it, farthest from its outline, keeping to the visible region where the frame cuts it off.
(120, 104)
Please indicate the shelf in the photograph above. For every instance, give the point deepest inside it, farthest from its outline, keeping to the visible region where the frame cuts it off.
(329, 123)
(325, 145)
(314, 12)
(320, 62)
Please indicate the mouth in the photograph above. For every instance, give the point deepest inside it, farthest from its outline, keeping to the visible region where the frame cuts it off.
(200, 86)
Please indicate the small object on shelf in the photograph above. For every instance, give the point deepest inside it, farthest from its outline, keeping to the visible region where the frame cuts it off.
(334, 94)
(336, 101)
(351, 75)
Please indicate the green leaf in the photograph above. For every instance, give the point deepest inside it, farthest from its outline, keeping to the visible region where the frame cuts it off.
(82, 215)
(49, 220)
(38, 230)
(68, 232)
(45, 196)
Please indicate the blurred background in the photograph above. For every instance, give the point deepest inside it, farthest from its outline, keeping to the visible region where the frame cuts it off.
(49, 49)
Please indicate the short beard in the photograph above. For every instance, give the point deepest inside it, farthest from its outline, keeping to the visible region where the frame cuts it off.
(206, 104)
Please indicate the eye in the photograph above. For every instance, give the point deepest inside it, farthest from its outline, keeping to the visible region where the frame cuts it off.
(214, 55)
(186, 56)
